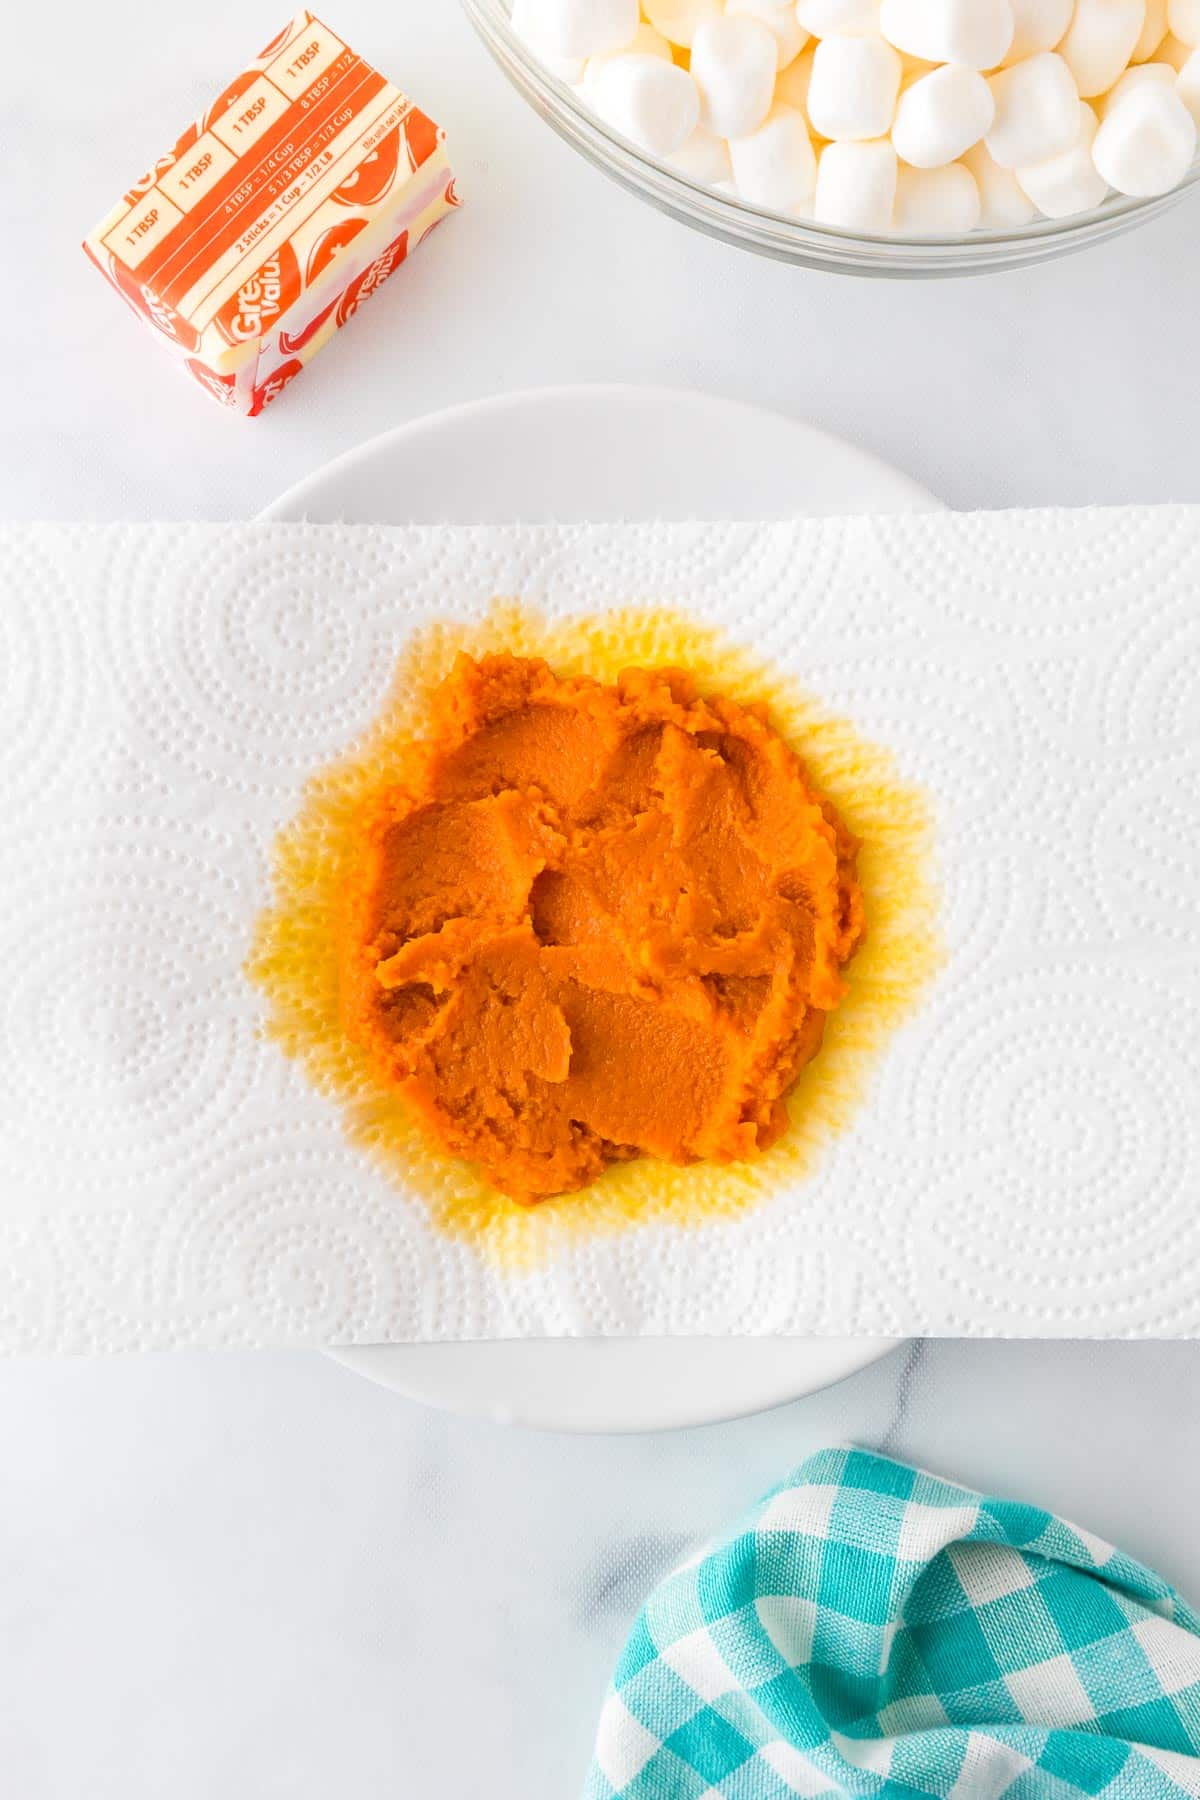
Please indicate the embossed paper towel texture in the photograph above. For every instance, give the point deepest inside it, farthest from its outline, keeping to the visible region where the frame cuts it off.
(1028, 1159)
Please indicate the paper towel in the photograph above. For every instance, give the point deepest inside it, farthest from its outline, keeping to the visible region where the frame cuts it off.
(1028, 1158)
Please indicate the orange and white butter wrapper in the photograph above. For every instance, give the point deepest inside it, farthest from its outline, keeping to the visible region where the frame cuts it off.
(302, 188)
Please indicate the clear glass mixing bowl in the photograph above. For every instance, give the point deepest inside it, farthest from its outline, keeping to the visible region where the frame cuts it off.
(774, 234)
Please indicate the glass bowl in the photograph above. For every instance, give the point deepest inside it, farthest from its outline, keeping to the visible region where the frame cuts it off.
(775, 234)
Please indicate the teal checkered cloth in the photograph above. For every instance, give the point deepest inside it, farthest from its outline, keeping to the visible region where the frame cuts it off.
(871, 1630)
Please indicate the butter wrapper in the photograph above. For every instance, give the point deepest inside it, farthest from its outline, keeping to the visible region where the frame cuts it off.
(304, 186)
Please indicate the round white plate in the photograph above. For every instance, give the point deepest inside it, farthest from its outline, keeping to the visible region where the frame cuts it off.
(573, 454)
(578, 453)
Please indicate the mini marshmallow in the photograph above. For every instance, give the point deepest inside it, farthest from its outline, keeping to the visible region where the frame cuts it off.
(1100, 40)
(1133, 78)
(1153, 31)
(854, 86)
(1037, 111)
(781, 21)
(935, 202)
(793, 82)
(1069, 182)
(733, 65)
(776, 165)
(1003, 202)
(645, 42)
(839, 18)
(1183, 18)
(941, 115)
(526, 20)
(575, 28)
(1038, 25)
(1146, 144)
(648, 100)
(856, 186)
(1187, 85)
(987, 93)
(704, 158)
(976, 33)
(677, 19)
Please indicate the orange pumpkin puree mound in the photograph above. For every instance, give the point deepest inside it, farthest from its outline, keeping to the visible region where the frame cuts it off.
(595, 922)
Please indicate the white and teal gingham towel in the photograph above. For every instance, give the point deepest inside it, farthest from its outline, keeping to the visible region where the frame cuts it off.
(870, 1630)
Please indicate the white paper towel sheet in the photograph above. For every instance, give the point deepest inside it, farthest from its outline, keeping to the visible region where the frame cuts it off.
(1028, 1157)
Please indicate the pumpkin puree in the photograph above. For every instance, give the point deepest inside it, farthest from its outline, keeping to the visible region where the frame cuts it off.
(595, 922)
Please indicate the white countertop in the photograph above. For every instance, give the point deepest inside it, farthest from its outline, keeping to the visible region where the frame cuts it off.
(1068, 383)
(257, 1574)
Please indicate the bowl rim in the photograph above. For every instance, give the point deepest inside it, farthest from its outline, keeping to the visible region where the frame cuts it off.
(668, 186)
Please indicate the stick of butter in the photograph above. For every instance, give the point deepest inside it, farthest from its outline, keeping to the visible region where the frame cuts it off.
(300, 190)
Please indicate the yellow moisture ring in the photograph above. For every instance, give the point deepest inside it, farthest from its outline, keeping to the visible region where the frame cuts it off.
(294, 955)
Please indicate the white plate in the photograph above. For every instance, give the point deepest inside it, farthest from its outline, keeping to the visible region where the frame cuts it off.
(578, 453)
(604, 453)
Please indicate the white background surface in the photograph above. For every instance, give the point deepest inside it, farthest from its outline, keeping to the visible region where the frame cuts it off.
(257, 1575)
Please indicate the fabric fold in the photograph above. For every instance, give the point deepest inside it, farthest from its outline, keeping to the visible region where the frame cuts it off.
(868, 1629)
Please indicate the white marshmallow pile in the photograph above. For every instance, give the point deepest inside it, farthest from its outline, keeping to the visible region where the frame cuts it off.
(923, 118)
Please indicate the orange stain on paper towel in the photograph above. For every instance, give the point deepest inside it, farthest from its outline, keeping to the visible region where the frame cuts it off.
(578, 928)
